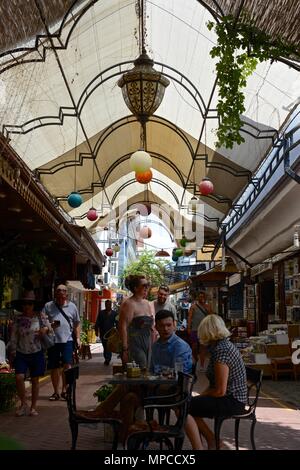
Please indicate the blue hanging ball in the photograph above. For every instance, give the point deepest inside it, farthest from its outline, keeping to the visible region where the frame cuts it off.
(175, 258)
(74, 199)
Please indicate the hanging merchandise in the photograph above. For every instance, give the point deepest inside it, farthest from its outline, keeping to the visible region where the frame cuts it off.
(178, 252)
(116, 248)
(145, 232)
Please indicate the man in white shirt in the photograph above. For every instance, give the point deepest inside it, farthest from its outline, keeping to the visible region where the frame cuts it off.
(162, 302)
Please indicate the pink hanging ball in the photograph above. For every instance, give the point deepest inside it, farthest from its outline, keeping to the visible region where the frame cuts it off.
(92, 214)
(206, 187)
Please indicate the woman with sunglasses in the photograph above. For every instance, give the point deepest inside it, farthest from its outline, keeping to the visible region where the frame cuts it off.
(136, 322)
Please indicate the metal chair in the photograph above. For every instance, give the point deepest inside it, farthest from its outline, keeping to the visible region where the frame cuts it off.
(75, 418)
(254, 380)
(164, 433)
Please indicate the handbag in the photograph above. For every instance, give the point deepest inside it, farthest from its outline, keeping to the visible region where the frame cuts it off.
(114, 341)
(47, 341)
(74, 337)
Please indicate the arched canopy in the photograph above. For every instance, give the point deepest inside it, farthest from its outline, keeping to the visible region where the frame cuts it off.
(65, 116)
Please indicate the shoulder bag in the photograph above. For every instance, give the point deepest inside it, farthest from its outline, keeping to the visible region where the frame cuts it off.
(114, 341)
(74, 337)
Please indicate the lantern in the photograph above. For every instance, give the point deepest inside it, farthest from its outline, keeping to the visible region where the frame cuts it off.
(116, 248)
(178, 252)
(183, 242)
(206, 187)
(92, 214)
(145, 232)
(74, 199)
(143, 177)
(109, 252)
(140, 161)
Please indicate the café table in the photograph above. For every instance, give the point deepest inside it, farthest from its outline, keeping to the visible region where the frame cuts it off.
(122, 379)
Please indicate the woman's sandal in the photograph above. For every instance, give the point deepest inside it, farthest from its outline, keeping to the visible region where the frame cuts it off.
(63, 395)
(54, 397)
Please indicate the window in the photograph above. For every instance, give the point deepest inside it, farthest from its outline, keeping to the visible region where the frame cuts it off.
(114, 268)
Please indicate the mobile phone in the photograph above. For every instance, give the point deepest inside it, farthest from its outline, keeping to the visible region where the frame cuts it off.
(56, 323)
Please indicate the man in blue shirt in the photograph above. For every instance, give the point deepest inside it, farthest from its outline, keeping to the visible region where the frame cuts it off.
(169, 348)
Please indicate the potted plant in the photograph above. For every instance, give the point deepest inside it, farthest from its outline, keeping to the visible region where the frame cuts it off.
(103, 392)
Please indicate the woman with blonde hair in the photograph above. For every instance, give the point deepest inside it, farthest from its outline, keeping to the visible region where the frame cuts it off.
(226, 394)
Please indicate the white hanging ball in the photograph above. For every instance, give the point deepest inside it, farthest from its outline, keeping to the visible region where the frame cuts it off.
(140, 161)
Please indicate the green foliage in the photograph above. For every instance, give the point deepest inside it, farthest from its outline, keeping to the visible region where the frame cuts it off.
(153, 268)
(15, 258)
(86, 326)
(240, 48)
(103, 392)
(8, 391)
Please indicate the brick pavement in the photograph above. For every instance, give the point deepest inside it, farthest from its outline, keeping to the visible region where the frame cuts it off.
(278, 424)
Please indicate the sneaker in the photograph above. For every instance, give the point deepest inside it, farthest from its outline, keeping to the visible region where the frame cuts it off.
(54, 397)
(22, 411)
(33, 412)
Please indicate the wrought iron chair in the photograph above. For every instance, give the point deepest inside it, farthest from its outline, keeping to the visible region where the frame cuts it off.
(254, 380)
(75, 418)
(164, 433)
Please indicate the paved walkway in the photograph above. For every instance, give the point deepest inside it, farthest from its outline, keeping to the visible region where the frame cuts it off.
(278, 424)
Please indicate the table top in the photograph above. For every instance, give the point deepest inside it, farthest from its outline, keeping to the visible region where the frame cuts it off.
(119, 379)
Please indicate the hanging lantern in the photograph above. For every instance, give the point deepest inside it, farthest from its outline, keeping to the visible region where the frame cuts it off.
(116, 248)
(174, 258)
(74, 199)
(145, 232)
(161, 253)
(143, 87)
(140, 161)
(183, 242)
(92, 214)
(193, 203)
(143, 177)
(178, 252)
(109, 252)
(206, 187)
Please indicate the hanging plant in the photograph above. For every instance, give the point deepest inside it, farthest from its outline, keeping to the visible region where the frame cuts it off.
(240, 48)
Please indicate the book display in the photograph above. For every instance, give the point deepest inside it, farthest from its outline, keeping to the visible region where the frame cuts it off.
(292, 289)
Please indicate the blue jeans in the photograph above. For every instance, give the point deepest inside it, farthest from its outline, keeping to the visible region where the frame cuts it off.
(107, 355)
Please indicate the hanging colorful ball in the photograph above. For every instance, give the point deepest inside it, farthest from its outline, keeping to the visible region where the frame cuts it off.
(174, 258)
(193, 203)
(179, 252)
(145, 232)
(183, 242)
(74, 199)
(206, 187)
(116, 248)
(92, 214)
(109, 252)
(140, 161)
(144, 177)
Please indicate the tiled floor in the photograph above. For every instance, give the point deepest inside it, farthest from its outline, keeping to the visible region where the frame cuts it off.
(278, 424)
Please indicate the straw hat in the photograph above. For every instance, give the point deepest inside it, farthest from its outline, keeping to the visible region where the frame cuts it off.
(28, 296)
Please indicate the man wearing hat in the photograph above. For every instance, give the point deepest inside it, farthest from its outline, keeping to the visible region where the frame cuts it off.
(26, 350)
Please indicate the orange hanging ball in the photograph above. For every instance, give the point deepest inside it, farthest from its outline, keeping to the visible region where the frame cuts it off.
(143, 177)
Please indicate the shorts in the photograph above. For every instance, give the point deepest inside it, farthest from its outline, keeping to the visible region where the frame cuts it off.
(211, 407)
(34, 362)
(60, 354)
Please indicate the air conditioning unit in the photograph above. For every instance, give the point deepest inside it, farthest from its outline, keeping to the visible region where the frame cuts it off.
(106, 278)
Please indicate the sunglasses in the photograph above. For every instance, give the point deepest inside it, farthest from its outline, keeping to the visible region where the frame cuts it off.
(61, 290)
(146, 285)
